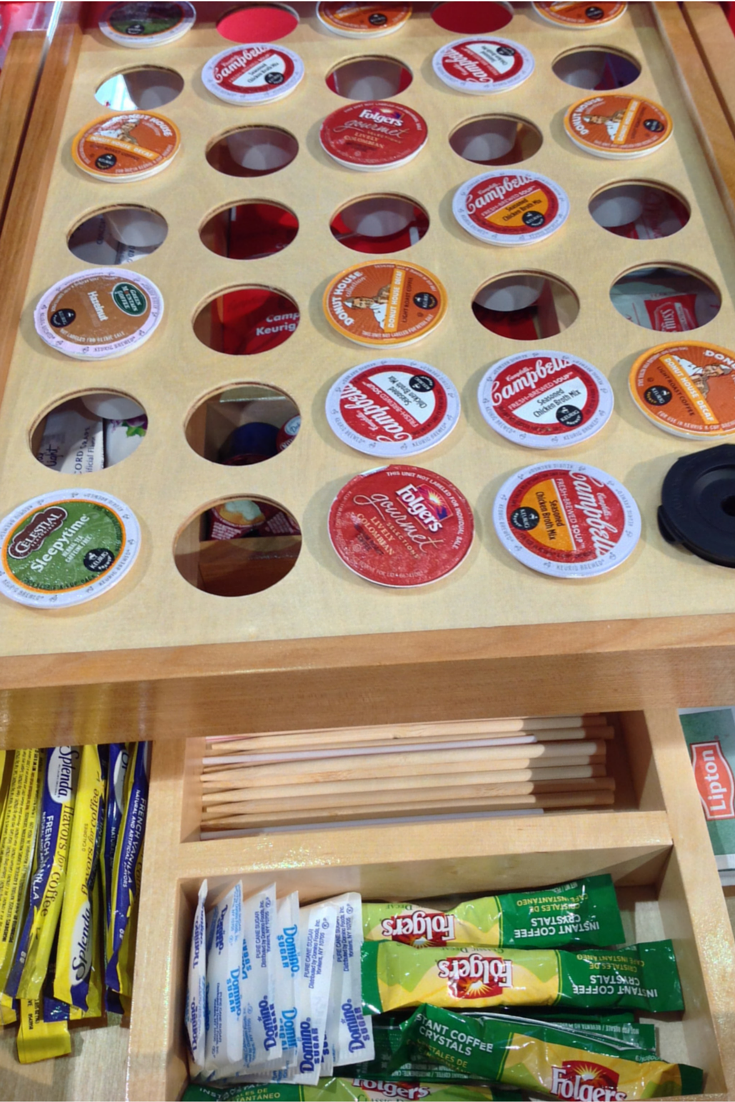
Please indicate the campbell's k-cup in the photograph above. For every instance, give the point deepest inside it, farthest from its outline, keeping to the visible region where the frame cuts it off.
(545, 399)
(99, 313)
(401, 526)
(510, 207)
(142, 25)
(566, 520)
(363, 20)
(370, 135)
(288, 433)
(482, 65)
(686, 388)
(392, 408)
(256, 73)
(580, 17)
(385, 302)
(129, 146)
(618, 126)
(65, 548)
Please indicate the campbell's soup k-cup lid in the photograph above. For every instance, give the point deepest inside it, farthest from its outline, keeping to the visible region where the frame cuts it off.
(129, 146)
(373, 134)
(545, 399)
(363, 20)
(142, 25)
(566, 520)
(258, 72)
(686, 388)
(481, 65)
(99, 313)
(618, 126)
(288, 433)
(65, 548)
(385, 302)
(510, 207)
(580, 17)
(401, 526)
(392, 408)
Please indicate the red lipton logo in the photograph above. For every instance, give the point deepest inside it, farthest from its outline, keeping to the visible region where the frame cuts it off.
(584, 1081)
(419, 928)
(476, 975)
(715, 780)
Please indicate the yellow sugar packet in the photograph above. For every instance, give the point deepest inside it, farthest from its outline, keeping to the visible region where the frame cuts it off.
(7, 1011)
(39, 1040)
(16, 850)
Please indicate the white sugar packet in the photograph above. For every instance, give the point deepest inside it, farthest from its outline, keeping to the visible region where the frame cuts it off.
(261, 1041)
(224, 1010)
(349, 1032)
(288, 974)
(196, 992)
(316, 950)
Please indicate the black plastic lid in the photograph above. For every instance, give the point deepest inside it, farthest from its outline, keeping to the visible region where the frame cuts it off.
(698, 504)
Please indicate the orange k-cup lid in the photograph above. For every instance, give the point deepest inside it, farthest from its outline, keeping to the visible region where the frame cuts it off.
(129, 146)
(566, 520)
(510, 207)
(482, 65)
(618, 126)
(686, 388)
(385, 303)
(580, 17)
(401, 526)
(373, 134)
(363, 20)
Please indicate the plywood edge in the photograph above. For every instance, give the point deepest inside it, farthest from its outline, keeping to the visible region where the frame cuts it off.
(716, 44)
(17, 86)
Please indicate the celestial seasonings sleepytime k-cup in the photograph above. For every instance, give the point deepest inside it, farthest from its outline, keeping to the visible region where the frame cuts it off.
(362, 20)
(482, 65)
(143, 25)
(618, 126)
(686, 388)
(385, 302)
(373, 135)
(510, 207)
(126, 147)
(253, 74)
(580, 17)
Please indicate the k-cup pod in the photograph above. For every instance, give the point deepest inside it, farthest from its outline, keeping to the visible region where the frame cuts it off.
(141, 26)
(381, 216)
(129, 146)
(99, 313)
(545, 399)
(66, 548)
(392, 408)
(363, 20)
(566, 520)
(401, 526)
(696, 509)
(136, 227)
(253, 74)
(618, 126)
(510, 207)
(371, 135)
(686, 388)
(519, 295)
(115, 407)
(288, 433)
(485, 140)
(260, 150)
(249, 443)
(482, 65)
(580, 17)
(385, 302)
(612, 211)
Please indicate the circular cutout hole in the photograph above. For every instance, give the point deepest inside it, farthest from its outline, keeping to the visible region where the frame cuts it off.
(377, 78)
(246, 320)
(145, 88)
(243, 424)
(253, 151)
(665, 298)
(463, 17)
(639, 210)
(250, 231)
(526, 306)
(88, 432)
(380, 224)
(118, 235)
(238, 546)
(599, 69)
(258, 23)
(496, 140)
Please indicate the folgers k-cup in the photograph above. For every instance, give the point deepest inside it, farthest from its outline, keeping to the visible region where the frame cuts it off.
(618, 126)
(580, 17)
(545, 399)
(566, 520)
(129, 146)
(66, 547)
(392, 408)
(141, 26)
(482, 65)
(401, 526)
(370, 135)
(256, 73)
(510, 207)
(686, 388)
(384, 303)
(363, 20)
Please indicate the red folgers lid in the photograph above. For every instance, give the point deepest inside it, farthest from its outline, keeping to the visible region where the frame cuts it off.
(401, 526)
(481, 65)
(253, 74)
(373, 134)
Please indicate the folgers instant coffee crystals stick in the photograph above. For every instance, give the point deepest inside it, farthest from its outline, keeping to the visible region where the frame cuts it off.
(385, 302)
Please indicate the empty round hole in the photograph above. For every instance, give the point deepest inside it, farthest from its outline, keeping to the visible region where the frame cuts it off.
(666, 299)
(526, 306)
(380, 224)
(246, 320)
(238, 546)
(641, 211)
(249, 231)
(258, 23)
(463, 17)
(144, 88)
(88, 432)
(376, 78)
(253, 151)
(243, 424)
(597, 68)
(496, 140)
(118, 235)
(728, 506)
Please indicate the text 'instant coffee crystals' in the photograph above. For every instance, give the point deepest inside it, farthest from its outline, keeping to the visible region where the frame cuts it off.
(253, 74)
(618, 126)
(371, 135)
(510, 207)
(686, 388)
(384, 303)
(482, 65)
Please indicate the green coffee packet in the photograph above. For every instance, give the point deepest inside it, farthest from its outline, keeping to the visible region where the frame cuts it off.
(541, 1058)
(350, 1090)
(581, 912)
(396, 976)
